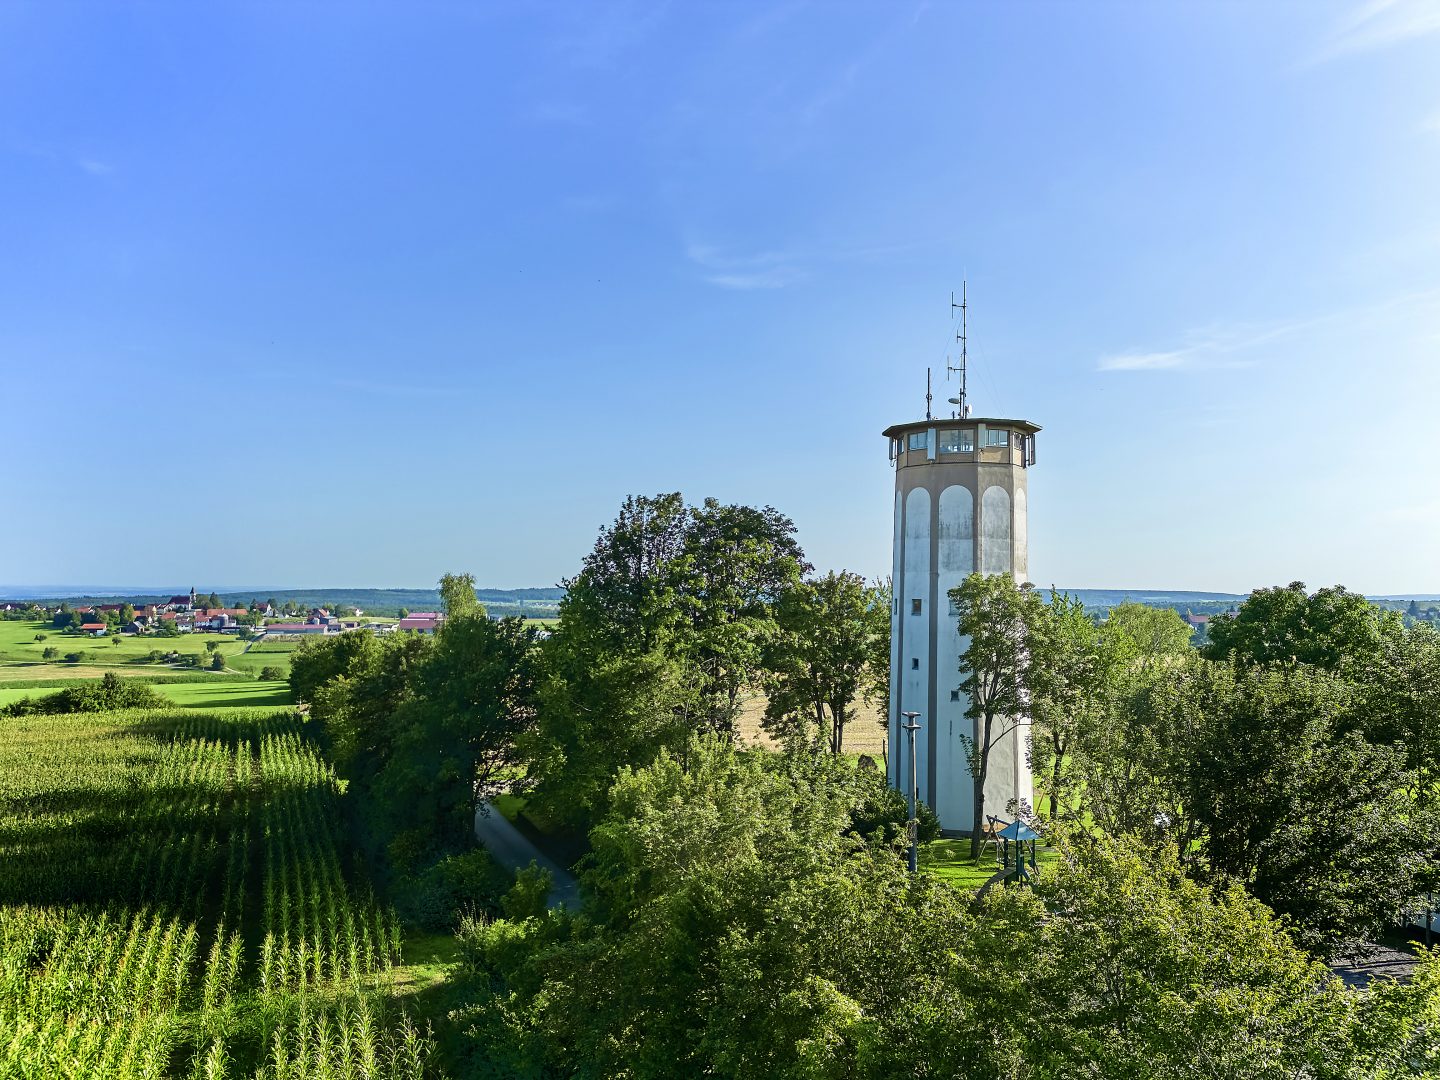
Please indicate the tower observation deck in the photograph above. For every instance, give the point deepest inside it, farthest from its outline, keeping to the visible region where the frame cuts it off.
(960, 506)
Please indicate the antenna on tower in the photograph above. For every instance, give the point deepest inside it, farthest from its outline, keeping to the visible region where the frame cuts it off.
(963, 305)
(929, 397)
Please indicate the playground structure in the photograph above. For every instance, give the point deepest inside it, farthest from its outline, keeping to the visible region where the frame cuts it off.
(1015, 851)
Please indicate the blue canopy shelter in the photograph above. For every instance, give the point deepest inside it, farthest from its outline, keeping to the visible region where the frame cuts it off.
(1018, 842)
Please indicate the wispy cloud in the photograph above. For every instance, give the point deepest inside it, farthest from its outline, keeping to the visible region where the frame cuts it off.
(1154, 361)
(1378, 24)
(1224, 347)
(764, 270)
(64, 158)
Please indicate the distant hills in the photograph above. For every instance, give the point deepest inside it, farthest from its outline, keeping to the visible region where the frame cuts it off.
(543, 603)
(535, 603)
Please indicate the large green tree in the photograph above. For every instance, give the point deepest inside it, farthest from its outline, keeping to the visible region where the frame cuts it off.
(1007, 639)
(660, 634)
(820, 664)
(1324, 629)
(423, 728)
(1067, 692)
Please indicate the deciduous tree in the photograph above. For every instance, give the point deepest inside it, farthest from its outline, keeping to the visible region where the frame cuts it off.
(1005, 629)
(820, 666)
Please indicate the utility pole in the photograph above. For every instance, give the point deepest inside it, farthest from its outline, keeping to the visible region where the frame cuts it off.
(912, 827)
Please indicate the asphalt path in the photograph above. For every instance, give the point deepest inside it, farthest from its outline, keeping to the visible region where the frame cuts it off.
(508, 846)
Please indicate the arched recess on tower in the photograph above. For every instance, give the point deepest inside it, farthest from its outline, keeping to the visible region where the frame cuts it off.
(995, 531)
(954, 793)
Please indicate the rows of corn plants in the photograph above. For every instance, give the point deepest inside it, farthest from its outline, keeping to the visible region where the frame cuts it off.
(175, 901)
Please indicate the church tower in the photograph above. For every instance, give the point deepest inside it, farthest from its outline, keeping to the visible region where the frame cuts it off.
(960, 506)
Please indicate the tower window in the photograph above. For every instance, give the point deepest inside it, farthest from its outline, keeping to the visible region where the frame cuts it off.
(914, 607)
(914, 663)
(919, 440)
(954, 695)
(994, 437)
(956, 442)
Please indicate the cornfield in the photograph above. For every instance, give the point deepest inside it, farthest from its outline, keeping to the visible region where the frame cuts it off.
(175, 901)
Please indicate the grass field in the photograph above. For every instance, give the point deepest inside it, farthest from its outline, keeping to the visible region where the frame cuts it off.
(222, 693)
(22, 657)
(18, 645)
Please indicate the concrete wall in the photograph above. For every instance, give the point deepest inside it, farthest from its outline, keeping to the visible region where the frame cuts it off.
(954, 513)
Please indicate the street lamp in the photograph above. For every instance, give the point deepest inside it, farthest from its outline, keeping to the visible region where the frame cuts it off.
(912, 827)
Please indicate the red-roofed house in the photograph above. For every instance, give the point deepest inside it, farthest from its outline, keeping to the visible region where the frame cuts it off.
(421, 622)
(96, 629)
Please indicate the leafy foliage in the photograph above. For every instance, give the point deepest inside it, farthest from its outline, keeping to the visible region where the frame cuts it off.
(1287, 625)
(109, 692)
(735, 927)
(821, 664)
(664, 628)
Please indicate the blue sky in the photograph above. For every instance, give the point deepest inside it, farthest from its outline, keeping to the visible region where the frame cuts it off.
(302, 294)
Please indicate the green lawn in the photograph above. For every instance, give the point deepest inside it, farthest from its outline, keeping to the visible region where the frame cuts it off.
(949, 860)
(18, 645)
(263, 654)
(217, 694)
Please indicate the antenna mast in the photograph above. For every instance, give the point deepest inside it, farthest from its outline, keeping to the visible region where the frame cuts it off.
(959, 399)
(929, 397)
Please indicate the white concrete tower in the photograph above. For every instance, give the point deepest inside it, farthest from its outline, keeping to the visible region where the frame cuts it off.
(960, 490)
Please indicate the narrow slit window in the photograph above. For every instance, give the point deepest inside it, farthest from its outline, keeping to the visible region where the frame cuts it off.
(954, 695)
(914, 607)
(914, 663)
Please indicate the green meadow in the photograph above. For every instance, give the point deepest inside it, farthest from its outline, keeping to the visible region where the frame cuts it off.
(25, 671)
(218, 693)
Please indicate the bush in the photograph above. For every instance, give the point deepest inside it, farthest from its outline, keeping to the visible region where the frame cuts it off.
(527, 899)
(111, 692)
(271, 673)
(39, 637)
(217, 662)
(74, 657)
(49, 653)
(440, 897)
(879, 809)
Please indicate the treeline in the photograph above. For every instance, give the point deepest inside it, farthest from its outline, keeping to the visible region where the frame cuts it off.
(677, 614)
(1224, 821)
(735, 926)
(1298, 754)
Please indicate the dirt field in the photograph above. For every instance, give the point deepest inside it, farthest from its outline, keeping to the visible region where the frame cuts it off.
(863, 735)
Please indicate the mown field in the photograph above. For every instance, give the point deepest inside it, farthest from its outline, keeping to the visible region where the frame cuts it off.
(176, 901)
(208, 694)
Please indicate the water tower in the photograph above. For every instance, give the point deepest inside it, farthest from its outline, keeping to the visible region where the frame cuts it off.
(960, 506)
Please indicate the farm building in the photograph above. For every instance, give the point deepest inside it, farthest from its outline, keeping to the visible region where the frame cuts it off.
(297, 628)
(422, 622)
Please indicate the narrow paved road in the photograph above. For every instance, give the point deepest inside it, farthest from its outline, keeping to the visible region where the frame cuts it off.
(509, 847)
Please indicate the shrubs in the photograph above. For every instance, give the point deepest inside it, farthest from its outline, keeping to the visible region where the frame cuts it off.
(49, 653)
(75, 657)
(217, 662)
(441, 896)
(111, 692)
(271, 673)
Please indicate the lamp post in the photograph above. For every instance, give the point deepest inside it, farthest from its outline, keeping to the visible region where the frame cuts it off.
(912, 827)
